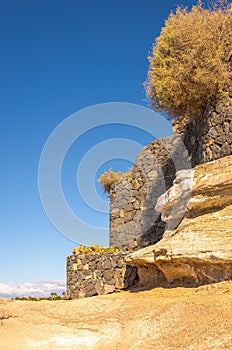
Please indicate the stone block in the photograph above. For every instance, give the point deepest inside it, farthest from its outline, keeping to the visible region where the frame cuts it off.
(99, 287)
(129, 207)
(113, 263)
(128, 217)
(85, 267)
(117, 222)
(97, 274)
(226, 149)
(136, 205)
(108, 274)
(90, 290)
(74, 267)
(120, 262)
(108, 288)
(81, 294)
(106, 265)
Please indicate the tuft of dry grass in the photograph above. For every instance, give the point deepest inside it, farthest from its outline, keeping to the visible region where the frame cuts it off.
(108, 178)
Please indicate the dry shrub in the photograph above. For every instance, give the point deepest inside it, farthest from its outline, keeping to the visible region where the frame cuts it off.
(108, 178)
(189, 62)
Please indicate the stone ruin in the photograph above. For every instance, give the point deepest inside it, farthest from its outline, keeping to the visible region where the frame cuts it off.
(134, 221)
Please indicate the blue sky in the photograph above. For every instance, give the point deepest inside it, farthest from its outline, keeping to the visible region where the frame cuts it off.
(58, 57)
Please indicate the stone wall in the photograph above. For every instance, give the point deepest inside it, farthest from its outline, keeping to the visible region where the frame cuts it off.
(209, 137)
(95, 274)
(134, 223)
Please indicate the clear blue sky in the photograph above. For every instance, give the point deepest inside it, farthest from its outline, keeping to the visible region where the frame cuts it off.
(58, 57)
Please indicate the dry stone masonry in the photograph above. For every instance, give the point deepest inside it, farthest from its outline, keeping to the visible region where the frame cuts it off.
(96, 274)
(209, 137)
(198, 248)
(134, 221)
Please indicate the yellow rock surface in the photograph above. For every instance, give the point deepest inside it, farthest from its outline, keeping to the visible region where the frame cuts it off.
(199, 250)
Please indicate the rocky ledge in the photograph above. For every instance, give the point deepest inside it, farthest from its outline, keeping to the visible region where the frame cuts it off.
(197, 246)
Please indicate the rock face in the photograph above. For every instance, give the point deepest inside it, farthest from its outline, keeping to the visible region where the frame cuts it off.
(173, 203)
(199, 250)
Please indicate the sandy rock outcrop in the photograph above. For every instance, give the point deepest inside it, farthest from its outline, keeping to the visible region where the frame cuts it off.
(199, 249)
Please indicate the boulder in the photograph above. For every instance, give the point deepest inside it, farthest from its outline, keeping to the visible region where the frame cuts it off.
(199, 249)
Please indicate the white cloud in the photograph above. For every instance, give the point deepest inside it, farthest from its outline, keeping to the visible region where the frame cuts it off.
(33, 289)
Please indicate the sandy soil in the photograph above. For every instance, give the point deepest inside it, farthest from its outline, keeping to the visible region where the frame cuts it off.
(162, 319)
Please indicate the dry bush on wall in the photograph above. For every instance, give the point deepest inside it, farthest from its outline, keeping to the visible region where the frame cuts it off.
(189, 60)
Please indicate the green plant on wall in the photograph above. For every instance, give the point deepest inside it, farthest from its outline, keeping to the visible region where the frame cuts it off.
(189, 60)
(94, 249)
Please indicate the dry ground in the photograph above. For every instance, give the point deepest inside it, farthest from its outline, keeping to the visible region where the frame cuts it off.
(162, 319)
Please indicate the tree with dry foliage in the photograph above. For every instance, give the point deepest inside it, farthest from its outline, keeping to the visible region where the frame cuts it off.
(189, 63)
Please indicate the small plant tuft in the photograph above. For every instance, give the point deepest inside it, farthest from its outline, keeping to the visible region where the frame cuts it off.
(108, 178)
(94, 249)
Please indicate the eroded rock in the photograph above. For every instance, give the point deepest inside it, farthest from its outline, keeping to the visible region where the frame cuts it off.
(199, 250)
